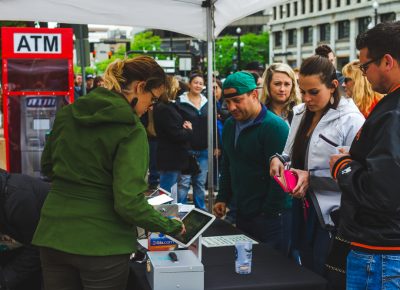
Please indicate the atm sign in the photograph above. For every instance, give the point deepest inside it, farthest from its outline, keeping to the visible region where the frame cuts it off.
(37, 43)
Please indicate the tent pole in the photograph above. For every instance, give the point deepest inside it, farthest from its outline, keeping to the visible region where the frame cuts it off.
(211, 113)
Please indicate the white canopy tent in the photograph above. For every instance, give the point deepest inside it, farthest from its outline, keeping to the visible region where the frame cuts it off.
(196, 18)
(183, 16)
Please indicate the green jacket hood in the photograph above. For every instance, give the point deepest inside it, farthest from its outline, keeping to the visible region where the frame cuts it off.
(102, 106)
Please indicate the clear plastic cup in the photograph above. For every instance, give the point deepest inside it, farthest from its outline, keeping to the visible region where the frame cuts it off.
(243, 252)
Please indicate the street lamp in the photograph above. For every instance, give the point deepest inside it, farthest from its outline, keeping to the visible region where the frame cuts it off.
(375, 5)
(238, 44)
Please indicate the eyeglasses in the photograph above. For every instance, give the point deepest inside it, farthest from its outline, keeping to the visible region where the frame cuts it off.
(154, 98)
(346, 80)
(364, 66)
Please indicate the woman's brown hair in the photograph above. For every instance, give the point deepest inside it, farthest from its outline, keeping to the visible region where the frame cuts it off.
(121, 73)
(319, 66)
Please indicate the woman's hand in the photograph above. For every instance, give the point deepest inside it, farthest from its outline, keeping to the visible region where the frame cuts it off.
(183, 229)
(276, 167)
(302, 183)
(187, 125)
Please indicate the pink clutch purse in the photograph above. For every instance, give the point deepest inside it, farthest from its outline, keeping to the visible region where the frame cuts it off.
(290, 179)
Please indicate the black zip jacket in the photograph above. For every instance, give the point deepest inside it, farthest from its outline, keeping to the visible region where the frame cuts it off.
(21, 199)
(199, 121)
(173, 139)
(370, 180)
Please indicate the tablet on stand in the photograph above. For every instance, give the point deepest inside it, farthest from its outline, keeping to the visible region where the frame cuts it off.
(196, 222)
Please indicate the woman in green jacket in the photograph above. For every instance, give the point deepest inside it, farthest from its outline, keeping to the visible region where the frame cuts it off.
(97, 159)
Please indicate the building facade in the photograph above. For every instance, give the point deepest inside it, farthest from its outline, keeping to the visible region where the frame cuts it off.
(298, 26)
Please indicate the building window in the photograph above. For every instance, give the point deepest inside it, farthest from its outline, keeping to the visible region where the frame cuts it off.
(278, 39)
(288, 10)
(348, 2)
(388, 17)
(292, 37)
(307, 34)
(358, 1)
(319, 5)
(324, 32)
(311, 6)
(343, 29)
(281, 12)
(295, 8)
(292, 63)
(341, 62)
(274, 13)
(328, 4)
(337, 3)
(303, 6)
(363, 24)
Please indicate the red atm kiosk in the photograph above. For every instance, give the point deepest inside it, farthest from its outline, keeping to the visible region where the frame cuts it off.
(37, 75)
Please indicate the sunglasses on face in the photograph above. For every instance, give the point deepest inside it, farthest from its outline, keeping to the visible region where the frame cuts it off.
(346, 80)
(364, 66)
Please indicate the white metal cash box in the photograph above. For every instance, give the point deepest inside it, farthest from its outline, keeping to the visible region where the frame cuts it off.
(187, 273)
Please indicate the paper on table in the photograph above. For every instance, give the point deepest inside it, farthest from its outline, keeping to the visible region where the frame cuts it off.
(160, 199)
(185, 207)
(224, 241)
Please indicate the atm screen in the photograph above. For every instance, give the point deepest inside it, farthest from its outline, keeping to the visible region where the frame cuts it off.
(41, 124)
(38, 74)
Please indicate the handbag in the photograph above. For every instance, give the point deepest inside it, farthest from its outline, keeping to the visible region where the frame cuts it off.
(337, 257)
(193, 167)
(290, 179)
(336, 263)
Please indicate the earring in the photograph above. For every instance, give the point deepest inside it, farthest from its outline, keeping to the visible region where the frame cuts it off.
(331, 100)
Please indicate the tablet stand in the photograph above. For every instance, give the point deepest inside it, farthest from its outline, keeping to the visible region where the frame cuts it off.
(196, 247)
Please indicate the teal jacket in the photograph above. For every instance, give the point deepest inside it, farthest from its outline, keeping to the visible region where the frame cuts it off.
(245, 170)
(97, 158)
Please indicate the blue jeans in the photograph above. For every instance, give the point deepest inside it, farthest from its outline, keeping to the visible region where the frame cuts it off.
(168, 179)
(372, 271)
(274, 231)
(198, 181)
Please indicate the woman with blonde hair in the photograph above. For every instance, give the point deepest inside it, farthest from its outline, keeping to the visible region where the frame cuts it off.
(357, 86)
(174, 134)
(280, 90)
(97, 158)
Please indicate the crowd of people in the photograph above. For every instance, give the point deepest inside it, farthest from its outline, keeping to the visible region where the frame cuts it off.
(337, 132)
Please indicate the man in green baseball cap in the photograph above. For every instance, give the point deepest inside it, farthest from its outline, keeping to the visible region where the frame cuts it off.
(241, 96)
(238, 84)
(249, 139)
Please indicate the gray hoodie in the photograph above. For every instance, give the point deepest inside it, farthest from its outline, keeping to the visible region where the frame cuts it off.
(336, 128)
